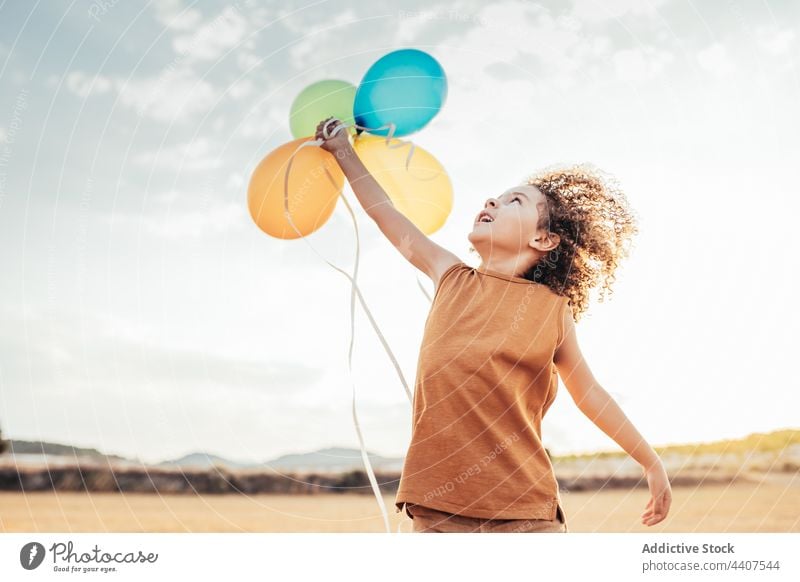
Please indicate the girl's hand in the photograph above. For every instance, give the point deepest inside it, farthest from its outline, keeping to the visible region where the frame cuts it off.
(660, 495)
(336, 143)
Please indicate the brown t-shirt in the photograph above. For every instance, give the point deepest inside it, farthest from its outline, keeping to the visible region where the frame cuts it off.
(485, 378)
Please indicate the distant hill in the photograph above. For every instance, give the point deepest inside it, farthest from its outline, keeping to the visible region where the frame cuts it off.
(17, 447)
(333, 459)
(329, 460)
(341, 459)
(772, 457)
(202, 460)
(757, 442)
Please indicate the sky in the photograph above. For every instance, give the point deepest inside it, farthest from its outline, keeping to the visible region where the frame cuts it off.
(143, 313)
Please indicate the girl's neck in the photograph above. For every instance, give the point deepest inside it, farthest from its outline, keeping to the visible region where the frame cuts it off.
(512, 267)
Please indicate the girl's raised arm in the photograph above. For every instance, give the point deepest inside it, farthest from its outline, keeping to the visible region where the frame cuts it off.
(413, 244)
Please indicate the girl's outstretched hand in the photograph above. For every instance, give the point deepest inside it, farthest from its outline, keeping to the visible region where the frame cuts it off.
(336, 143)
(660, 495)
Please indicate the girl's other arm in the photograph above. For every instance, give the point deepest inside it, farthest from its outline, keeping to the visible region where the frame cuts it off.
(413, 244)
(598, 405)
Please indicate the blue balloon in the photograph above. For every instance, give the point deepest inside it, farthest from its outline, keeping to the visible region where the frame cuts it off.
(406, 87)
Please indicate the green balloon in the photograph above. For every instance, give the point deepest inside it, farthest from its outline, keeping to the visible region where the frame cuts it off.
(330, 98)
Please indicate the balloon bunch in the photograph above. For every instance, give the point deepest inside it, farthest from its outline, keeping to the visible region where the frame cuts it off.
(294, 189)
(399, 95)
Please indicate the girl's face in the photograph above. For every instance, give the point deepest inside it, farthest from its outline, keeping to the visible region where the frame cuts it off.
(508, 223)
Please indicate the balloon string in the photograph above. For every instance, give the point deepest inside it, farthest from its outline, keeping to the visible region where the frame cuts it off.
(392, 128)
(424, 292)
(355, 291)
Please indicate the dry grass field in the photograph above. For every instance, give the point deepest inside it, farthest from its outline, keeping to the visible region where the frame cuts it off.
(771, 505)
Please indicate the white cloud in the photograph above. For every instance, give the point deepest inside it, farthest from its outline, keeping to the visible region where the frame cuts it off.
(198, 154)
(524, 41)
(84, 85)
(175, 95)
(640, 63)
(219, 217)
(504, 31)
(241, 88)
(178, 92)
(315, 39)
(508, 48)
(715, 60)
(189, 213)
(247, 60)
(235, 180)
(411, 23)
(209, 41)
(600, 10)
(3, 134)
(172, 14)
(261, 124)
(775, 42)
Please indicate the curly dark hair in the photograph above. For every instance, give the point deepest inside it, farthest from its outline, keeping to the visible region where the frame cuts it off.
(589, 211)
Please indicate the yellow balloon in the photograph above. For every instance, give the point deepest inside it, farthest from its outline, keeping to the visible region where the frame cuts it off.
(312, 193)
(423, 192)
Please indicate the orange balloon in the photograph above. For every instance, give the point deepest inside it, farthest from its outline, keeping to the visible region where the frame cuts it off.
(315, 181)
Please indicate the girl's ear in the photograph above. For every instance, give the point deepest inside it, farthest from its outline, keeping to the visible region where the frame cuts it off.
(545, 241)
(555, 240)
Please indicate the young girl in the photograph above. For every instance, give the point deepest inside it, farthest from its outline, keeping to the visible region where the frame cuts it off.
(496, 340)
